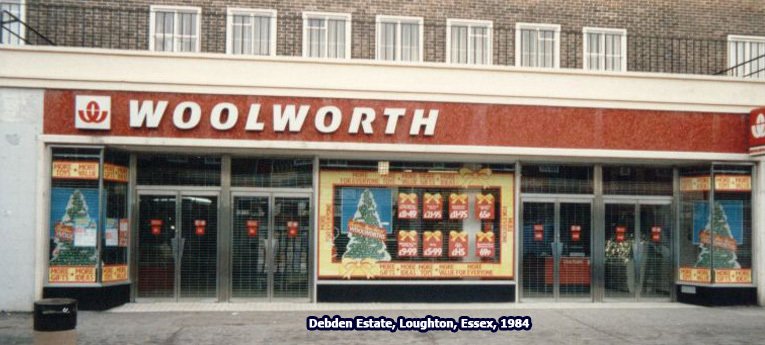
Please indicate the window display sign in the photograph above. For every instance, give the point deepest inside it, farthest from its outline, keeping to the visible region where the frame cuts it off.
(484, 206)
(458, 206)
(115, 173)
(124, 233)
(114, 273)
(74, 222)
(111, 232)
(75, 170)
(357, 242)
(432, 244)
(724, 183)
(407, 206)
(432, 206)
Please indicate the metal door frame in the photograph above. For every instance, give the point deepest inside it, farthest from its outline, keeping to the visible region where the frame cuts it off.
(637, 201)
(178, 193)
(556, 200)
(271, 194)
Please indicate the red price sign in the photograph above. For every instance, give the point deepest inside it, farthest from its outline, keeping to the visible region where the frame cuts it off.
(484, 206)
(457, 244)
(199, 226)
(156, 226)
(432, 206)
(576, 233)
(432, 244)
(656, 233)
(458, 206)
(292, 229)
(484, 244)
(620, 232)
(407, 243)
(539, 232)
(407, 206)
(252, 227)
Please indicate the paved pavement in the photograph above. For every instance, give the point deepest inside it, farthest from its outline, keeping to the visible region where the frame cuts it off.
(552, 324)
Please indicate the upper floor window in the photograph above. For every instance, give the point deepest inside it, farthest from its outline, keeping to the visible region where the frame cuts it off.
(251, 32)
(399, 38)
(174, 29)
(537, 45)
(11, 31)
(746, 56)
(468, 41)
(327, 35)
(605, 49)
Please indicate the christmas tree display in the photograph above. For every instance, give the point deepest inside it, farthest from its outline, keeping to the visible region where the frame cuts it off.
(366, 233)
(69, 250)
(723, 255)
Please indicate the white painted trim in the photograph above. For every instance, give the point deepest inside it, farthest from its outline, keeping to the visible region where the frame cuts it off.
(379, 19)
(345, 147)
(593, 30)
(537, 26)
(42, 218)
(326, 16)
(253, 12)
(153, 9)
(470, 23)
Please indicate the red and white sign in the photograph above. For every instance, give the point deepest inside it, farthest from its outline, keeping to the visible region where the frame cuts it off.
(432, 244)
(656, 234)
(484, 244)
(539, 232)
(292, 229)
(432, 206)
(484, 206)
(620, 232)
(160, 115)
(407, 243)
(252, 227)
(200, 225)
(757, 131)
(458, 206)
(576, 233)
(407, 206)
(124, 232)
(156, 226)
(458, 244)
(92, 112)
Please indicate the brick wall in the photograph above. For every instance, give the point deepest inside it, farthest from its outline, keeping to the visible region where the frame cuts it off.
(698, 27)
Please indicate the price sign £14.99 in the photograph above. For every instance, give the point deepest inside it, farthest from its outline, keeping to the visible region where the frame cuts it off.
(407, 206)
(432, 206)
(407, 243)
(458, 206)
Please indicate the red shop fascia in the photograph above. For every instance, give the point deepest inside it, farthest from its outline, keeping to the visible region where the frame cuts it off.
(335, 120)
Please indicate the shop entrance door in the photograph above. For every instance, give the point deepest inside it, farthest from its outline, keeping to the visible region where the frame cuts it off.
(177, 245)
(269, 256)
(638, 249)
(556, 240)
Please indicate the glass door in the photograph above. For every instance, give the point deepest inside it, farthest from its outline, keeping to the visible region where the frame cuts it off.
(556, 262)
(177, 245)
(638, 250)
(270, 246)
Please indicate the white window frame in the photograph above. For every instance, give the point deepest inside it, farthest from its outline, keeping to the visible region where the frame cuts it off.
(153, 9)
(538, 27)
(379, 19)
(327, 16)
(748, 47)
(238, 11)
(470, 23)
(23, 17)
(603, 31)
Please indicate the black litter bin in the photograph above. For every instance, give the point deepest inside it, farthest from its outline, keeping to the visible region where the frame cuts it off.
(55, 314)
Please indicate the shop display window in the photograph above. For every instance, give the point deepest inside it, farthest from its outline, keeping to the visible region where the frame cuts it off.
(557, 179)
(178, 170)
(716, 225)
(415, 221)
(88, 217)
(272, 173)
(636, 180)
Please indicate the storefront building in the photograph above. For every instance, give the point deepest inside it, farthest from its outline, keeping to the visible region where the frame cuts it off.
(145, 176)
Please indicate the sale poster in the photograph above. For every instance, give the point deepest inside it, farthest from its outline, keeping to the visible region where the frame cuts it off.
(407, 206)
(111, 232)
(432, 206)
(367, 198)
(457, 244)
(74, 222)
(123, 235)
(407, 243)
(432, 244)
(458, 206)
(484, 206)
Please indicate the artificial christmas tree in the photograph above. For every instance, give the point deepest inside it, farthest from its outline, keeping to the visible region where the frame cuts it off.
(72, 253)
(723, 254)
(366, 234)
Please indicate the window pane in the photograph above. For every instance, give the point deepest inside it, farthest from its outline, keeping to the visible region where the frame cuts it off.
(11, 37)
(459, 44)
(262, 35)
(410, 50)
(479, 45)
(316, 37)
(388, 41)
(336, 39)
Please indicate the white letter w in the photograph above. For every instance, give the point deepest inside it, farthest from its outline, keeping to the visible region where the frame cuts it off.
(146, 113)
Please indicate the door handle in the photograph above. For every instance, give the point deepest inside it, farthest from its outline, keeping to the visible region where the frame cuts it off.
(557, 249)
(180, 248)
(266, 254)
(174, 247)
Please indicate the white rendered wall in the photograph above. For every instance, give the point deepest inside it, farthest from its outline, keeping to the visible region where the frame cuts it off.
(20, 125)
